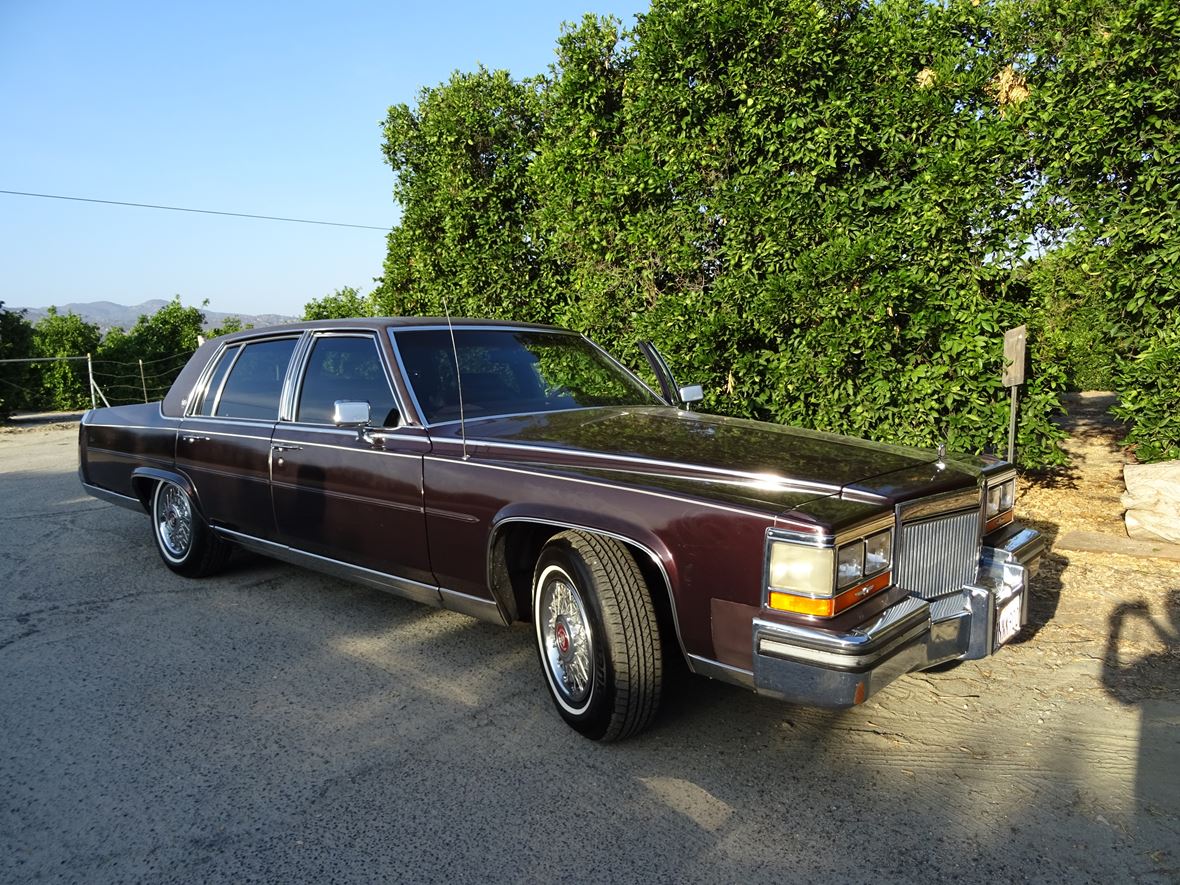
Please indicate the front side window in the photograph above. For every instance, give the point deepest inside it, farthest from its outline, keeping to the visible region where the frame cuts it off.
(345, 368)
(255, 382)
(509, 371)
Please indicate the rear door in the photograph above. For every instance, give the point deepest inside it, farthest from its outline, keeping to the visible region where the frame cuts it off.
(224, 442)
(341, 494)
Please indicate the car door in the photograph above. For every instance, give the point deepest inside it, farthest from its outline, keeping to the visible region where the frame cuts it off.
(224, 440)
(341, 493)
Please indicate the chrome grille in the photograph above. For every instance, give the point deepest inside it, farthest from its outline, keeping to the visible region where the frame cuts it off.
(940, 554)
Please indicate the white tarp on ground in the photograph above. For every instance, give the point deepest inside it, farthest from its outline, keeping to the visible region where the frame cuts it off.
(1153, 501)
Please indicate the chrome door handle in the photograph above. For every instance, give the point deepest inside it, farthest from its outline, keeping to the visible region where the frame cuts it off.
(193, 439)
(275, 447)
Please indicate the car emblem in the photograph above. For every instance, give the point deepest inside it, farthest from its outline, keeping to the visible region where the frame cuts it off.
(562, 637)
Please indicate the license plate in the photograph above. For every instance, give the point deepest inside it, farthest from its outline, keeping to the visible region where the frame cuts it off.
(1008, 622)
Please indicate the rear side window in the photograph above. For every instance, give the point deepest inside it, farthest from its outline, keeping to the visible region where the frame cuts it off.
(255, 382)
(345, 368)
(209, 400)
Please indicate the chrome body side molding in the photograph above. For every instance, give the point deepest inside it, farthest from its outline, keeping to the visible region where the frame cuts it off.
(721, 672)
(114, 497)
(439, 597)
(415, 590)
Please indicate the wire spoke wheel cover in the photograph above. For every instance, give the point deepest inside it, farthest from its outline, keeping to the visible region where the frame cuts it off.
(174, 521)
(597, 637)
(185, 542)
(566, 638)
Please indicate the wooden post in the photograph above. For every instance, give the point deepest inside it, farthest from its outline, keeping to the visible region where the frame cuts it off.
(1014, 359)
(90, 375)
(143, 381)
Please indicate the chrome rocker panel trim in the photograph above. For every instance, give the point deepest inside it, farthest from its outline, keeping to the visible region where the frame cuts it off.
(825, 668)
(114, 497)
(438, 597)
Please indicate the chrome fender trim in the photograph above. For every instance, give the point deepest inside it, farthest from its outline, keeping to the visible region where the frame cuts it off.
(155, 474)
(659, 564)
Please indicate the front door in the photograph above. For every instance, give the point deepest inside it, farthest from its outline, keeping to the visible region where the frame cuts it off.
(337, 495)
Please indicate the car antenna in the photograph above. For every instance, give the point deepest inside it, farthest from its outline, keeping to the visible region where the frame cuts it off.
(458, 377)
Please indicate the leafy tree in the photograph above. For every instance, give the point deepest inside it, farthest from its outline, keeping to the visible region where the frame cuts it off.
(64, 385)
(461, 158)
(16, 342)
(163, 341)
(1105, 107)
(341, 304)
(229, 325)
(826, 210)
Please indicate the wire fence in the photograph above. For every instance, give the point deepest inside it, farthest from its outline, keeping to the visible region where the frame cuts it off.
(63, 383)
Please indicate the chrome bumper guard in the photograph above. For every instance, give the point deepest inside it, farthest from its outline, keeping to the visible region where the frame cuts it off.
(809, 665)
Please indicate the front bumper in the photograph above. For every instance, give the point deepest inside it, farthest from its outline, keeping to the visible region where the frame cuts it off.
(809, 665)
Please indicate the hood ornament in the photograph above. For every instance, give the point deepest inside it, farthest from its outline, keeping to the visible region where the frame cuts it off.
(941, 462)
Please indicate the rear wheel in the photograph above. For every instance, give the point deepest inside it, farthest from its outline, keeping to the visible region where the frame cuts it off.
(597, 636)
(186, 544)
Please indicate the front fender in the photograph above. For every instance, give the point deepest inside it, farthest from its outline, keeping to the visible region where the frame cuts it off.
(562, 519)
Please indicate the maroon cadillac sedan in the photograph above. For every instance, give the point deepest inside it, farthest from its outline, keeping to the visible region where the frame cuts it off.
(519, 472)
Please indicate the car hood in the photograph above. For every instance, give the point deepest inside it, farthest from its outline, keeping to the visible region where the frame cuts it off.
(769, 466)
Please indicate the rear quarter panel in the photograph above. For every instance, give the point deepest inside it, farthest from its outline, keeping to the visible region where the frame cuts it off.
(114, 441)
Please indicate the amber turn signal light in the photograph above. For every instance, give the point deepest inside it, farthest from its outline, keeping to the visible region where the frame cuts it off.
(829, 606)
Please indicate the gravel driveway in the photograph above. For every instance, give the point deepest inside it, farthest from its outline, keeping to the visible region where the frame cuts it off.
(274, 725)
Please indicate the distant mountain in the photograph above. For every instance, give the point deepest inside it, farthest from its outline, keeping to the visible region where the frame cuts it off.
(107, 314)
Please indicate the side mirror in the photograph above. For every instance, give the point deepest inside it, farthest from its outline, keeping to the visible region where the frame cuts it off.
(691, 393)
(350, 414)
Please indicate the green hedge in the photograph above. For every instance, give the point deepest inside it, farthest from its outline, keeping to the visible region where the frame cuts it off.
(827, 212)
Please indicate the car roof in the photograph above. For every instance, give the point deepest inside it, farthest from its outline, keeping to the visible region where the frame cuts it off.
(378, 323)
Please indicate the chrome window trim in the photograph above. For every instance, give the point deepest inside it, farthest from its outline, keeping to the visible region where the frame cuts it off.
(391, 334)
(304, 356)
(394, 331)
(294, 371)
(220, 387)
(610, 356)
(198, 392)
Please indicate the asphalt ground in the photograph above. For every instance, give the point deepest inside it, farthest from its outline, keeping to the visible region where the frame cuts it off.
(274, 725)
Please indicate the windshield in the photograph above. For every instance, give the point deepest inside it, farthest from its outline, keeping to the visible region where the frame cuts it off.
(511, 371)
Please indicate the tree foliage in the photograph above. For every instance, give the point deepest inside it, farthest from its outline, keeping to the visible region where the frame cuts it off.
(163, 341)
(341, 304)
(828, 211)
(16, 343)
(64, 384)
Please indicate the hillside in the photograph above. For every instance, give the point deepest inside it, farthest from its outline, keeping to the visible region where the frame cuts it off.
(108, 314)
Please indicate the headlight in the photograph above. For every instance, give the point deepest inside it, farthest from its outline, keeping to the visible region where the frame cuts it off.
(850, 564)
(823, 581)
(878, 552)
(798, 569)
(1000, 500)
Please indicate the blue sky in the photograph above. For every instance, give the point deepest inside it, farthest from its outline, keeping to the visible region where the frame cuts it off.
(267, 108)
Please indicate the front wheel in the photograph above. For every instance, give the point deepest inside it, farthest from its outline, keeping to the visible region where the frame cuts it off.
(186, 543)
(597, 636)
